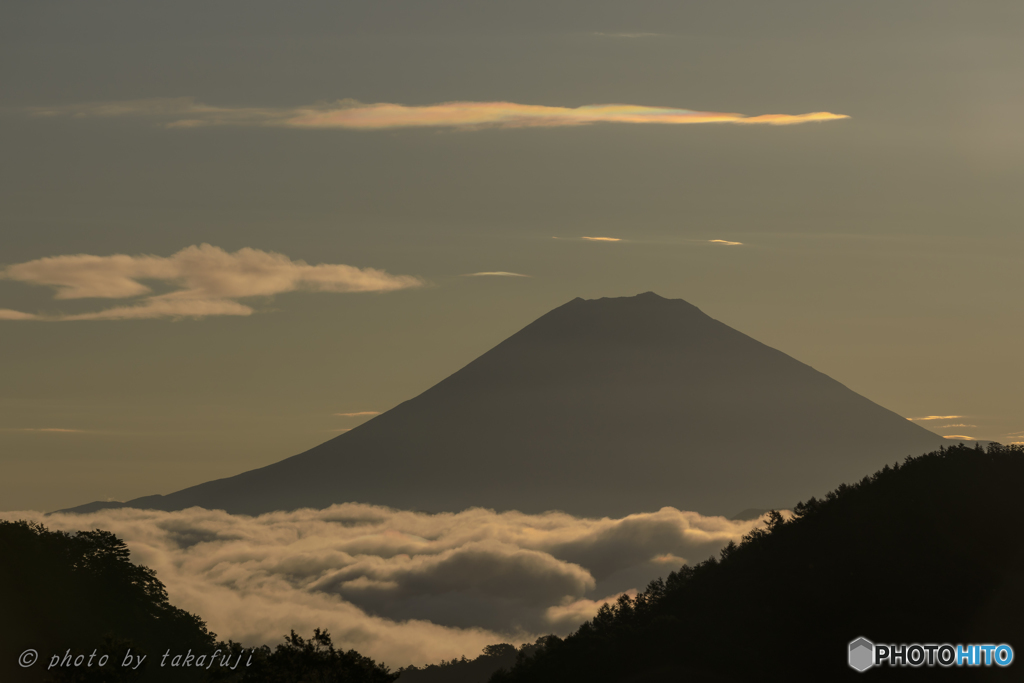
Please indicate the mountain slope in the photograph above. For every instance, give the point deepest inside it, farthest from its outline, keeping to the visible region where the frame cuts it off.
(600, 407)
(918, 553)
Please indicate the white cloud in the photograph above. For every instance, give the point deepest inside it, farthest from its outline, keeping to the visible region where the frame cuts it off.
(209, 281)
(399, 586)
(934, 417)
(726, 242)
(602, 239)
(568, 616)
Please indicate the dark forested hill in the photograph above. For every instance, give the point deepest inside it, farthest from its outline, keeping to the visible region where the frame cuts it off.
(929, 551)
(75, 593)
(577, 410)
(75, 609)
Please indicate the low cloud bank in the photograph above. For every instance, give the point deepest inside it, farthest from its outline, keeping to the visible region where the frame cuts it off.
(402, 587)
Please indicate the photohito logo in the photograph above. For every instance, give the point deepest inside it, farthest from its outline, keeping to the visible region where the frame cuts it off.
(863, 654)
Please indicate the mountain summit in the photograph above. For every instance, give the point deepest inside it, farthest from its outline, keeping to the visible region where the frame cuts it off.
(600, 407)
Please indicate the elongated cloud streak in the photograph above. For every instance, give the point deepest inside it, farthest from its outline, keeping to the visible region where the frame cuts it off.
(8, 314)
(185, 112)
(602, 239)
(726, 242)
(210, 280)
(399, 586)
(934, 417)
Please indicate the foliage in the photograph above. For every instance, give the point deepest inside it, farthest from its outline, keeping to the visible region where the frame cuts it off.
(314, 661)
(79, 594)
(494, 657)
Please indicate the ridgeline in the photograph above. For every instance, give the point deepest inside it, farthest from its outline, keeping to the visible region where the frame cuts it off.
(924, 552)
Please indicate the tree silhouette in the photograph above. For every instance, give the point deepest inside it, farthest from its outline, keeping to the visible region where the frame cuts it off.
(498, 656)
(71, 594)
(316, 660)
(78, 593)
(923, 552)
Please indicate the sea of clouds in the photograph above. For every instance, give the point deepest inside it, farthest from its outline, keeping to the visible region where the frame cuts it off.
(402, 587)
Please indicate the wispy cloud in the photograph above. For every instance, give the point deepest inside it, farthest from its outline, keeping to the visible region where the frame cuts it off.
(360, 413)
(602, 239)
(495, 273)
(209, 280)
(960, 437)
(952, 426)
(726, 242)
(186, 112)
(934, 417)
(400, 586)
(8, 314)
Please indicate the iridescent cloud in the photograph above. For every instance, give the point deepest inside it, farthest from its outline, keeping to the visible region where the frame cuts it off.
(185, 112)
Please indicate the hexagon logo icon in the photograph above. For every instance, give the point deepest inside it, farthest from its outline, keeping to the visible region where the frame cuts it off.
(862, 654)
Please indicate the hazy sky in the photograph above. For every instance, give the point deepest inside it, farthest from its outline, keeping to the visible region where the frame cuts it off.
(838, 180)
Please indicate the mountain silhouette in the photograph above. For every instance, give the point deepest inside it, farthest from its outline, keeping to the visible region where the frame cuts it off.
(600, 407)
